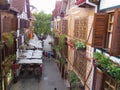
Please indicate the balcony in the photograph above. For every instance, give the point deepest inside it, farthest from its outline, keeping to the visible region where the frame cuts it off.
(85, 3)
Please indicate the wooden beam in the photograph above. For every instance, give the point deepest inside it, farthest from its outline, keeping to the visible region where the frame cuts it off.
(0, 26)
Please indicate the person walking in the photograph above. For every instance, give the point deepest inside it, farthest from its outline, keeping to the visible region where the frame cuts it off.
(46, 55)
(49, 55)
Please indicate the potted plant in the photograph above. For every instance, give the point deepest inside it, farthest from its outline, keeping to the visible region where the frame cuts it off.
(74, 81)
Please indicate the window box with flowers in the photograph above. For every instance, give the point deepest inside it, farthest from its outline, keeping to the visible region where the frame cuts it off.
(111, 71)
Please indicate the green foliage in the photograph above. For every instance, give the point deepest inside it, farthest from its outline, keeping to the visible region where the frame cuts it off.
(8, 37)
(62, 61)
(62, 41)
(73, 79)
(42, 23)
(80, 45)
(105, 64)
(57, 48)
(114, 71)
(13, 57)
(97, 55)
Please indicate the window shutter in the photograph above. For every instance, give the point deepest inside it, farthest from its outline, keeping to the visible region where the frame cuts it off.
(99, 30)
(115, 45)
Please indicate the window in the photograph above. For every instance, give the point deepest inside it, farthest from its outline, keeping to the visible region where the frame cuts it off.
(106, 31)
(110, 29)
(80, 25)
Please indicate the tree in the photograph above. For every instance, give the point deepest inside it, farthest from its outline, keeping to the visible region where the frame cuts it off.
(42, 23)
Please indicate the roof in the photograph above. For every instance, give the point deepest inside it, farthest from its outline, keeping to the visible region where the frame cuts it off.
(57, 9)
(20, 6)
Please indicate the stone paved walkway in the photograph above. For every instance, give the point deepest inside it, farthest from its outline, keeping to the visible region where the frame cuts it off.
(50, 79)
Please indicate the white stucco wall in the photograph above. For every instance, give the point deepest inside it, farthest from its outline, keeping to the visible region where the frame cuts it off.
(109, 3)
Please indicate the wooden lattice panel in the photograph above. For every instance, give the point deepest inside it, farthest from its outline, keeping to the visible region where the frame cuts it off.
(76, 28)
(82, 30)
(109, 83)
(6, 24)
(80, 63)
(64, 26)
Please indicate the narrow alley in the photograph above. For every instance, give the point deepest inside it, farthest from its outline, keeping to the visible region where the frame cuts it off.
(59, 45)
(50, 79)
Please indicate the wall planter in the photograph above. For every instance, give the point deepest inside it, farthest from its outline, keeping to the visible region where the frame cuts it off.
(74, 81)
(79, 45)
(109, 82)
(111, 70)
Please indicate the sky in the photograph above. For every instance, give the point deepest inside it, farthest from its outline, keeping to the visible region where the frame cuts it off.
(44, 5)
